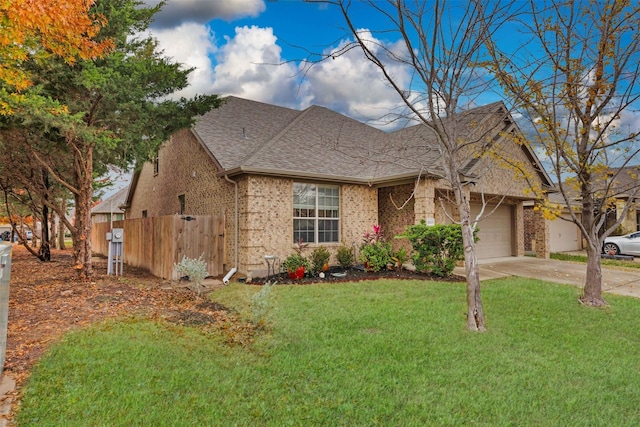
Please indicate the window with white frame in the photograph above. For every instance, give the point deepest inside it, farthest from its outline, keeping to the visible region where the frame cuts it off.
(316, 213)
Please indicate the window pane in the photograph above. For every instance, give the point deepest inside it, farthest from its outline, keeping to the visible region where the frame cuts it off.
(304, 229)
(304, 196)
(328, 197)
(328, 213)
(328, 230)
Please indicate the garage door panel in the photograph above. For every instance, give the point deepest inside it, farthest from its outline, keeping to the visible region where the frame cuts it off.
(564, 236)
(496, 232)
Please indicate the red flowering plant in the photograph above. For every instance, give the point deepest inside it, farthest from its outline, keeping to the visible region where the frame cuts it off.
(375, 253)
(297, 264)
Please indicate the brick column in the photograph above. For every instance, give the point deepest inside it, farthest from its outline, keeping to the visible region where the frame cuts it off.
(542, 235)
(519, 228)
(425, 200)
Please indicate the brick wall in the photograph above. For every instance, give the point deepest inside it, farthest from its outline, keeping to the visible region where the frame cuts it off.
(266, 218)
(185, 168)
(529, 228)
(396, 210)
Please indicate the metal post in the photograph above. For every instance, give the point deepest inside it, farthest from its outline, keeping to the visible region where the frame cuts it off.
(5, 276)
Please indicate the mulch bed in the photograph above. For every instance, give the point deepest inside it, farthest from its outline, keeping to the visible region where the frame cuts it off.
(353, 274)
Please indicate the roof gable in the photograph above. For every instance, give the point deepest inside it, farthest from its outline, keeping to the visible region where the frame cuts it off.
(240, 127)
(111, 204)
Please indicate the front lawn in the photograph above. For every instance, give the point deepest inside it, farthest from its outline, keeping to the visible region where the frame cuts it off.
(391, 353)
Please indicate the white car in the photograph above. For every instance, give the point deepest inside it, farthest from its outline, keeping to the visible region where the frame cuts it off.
(629, 244)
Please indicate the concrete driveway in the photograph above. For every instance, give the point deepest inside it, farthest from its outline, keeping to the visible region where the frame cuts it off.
(614, 281)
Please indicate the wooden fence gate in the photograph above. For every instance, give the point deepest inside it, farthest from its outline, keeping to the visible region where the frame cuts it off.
(157, 243)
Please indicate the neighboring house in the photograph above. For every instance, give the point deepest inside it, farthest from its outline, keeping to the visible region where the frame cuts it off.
(626, 183)
(565, 236)
(110, 208)
(279, 174)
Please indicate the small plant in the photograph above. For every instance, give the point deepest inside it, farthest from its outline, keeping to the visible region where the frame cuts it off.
(297, 264)
(374, 252)
(195, 270)
(293, 262)
(399, 258)
(345, 256)
(301, 246)
(261, 304)
(320, 259)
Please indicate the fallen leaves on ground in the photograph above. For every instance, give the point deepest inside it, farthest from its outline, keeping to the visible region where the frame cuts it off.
(46, 300)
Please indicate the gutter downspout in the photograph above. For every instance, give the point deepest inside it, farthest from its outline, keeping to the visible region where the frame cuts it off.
(233, 270)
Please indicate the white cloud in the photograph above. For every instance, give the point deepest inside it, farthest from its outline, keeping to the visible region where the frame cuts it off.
(250, 65)
(352, 85)
(200, 44)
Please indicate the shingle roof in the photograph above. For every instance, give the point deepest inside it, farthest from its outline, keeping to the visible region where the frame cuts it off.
(252, 137)
(240, 127)
(626, 180)
(111, 204)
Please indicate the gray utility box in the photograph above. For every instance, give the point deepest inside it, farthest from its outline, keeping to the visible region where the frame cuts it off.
(5, 276)
(115, 262)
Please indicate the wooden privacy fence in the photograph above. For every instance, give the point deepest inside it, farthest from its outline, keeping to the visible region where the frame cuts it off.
(157, 243)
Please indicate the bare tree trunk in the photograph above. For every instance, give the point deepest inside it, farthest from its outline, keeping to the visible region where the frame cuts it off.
(475, 312)
(45, 251)
(61, 228)
(53, 231)
(592, 292)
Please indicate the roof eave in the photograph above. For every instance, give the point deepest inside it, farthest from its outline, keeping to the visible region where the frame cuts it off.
(370, 181)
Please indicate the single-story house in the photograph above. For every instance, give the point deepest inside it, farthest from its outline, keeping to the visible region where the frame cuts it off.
(110, 208)
(280, 174)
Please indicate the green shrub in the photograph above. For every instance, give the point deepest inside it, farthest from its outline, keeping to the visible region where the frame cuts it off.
(399, 258)
(295, 261)
(376, 256)
(319, 257)
(345, 256)
(436, 248)
(375, 253)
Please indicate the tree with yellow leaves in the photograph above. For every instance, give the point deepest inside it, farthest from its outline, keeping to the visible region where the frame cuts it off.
(576, 78)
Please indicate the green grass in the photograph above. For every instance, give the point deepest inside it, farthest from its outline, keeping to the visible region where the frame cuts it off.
(603, 261)
(371, 353)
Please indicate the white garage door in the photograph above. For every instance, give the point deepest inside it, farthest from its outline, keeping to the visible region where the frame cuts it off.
(563, 236)
(496, 232)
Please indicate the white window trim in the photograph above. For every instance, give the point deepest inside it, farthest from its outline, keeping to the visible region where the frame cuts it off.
(316, 218)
